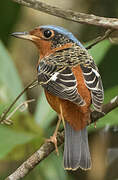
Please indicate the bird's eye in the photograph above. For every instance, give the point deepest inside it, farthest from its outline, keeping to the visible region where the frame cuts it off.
(47, 33)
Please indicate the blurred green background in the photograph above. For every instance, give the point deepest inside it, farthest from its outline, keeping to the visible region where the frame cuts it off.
(18, 61)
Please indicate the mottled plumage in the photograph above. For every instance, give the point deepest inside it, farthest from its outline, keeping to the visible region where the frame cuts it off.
(71, 80)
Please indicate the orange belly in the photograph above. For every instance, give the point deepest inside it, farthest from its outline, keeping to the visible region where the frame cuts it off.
(77, 116)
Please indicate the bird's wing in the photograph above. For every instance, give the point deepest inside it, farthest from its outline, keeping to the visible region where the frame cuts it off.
(94, 84)
(60, 82)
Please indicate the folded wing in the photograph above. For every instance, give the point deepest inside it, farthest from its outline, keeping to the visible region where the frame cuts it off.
(59, 81)
(94, 84)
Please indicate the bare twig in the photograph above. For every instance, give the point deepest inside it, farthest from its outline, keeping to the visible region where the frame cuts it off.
(4, 114)
(109, 23)
(8, 120)
(100, 38)
(47, 147)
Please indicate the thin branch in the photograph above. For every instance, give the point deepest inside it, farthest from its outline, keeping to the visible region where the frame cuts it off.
(100, 38)
(24, 104)
(4, 114)
(109, 23)
(47, 147)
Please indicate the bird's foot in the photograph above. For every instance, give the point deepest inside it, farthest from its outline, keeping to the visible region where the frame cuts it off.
(53, 139)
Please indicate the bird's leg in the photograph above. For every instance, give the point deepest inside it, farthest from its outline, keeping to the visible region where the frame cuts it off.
(95, 125)
(53, 138)
(61, 116)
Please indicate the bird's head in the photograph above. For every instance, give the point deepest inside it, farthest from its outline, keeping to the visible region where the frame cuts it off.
(49, 38)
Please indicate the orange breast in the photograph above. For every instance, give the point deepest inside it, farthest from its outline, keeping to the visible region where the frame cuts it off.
(77, 116)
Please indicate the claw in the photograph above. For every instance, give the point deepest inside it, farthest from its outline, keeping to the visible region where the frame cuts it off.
(53, 140)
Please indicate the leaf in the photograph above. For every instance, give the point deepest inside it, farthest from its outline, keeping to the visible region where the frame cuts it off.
(10, 83)
(111, 118)
(9, 139)
(44, 113)
(99, 50)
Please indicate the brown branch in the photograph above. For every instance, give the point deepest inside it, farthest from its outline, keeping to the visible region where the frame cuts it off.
(35, 159)
(47, 147)
(109, 23)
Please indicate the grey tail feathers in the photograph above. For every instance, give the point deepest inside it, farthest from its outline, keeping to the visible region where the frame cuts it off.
(76, 149)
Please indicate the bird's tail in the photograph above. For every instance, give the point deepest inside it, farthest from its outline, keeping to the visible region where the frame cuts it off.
(76, 149)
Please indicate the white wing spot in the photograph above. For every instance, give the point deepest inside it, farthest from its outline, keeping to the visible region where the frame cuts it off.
(96, 73)
(54, 77)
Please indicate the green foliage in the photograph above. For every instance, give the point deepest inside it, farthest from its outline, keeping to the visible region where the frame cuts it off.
(10, 83)
(9, 139)
(10, 87)
(99, 50)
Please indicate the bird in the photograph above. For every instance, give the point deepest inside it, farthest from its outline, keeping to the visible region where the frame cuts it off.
(71, 83)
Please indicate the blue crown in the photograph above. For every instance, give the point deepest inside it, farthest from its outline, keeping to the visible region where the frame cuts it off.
(64, 32)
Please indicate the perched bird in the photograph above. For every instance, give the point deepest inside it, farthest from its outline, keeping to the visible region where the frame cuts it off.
(72, 83)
